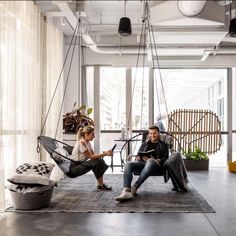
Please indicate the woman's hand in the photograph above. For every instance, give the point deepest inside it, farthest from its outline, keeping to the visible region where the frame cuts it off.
(108, 153)
(137, 158)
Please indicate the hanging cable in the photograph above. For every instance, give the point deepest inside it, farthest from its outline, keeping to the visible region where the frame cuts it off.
(135, 77)
(156, 54)
(67, 80)
(79, 64)
(159, 70)
(58, 81)
(84, 75)
(142, 86)
(153, 65)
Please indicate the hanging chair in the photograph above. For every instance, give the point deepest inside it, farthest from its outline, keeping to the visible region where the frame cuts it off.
(52, 144)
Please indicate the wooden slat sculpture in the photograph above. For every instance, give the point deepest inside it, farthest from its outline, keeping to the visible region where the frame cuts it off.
(192, 128)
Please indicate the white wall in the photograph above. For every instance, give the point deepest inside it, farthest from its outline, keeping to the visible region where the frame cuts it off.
(72, 87)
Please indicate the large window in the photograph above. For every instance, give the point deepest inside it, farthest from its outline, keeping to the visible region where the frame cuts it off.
(178, 89)
(112, 98)
(193, 89)
(140, 82)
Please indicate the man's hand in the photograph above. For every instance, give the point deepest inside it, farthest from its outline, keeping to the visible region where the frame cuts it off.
(158, 161)
(137, 158)
(145, 158)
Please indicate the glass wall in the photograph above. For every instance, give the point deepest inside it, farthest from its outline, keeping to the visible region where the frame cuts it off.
(140, 84)
(193, 89)
(112, 98)
(183, 89)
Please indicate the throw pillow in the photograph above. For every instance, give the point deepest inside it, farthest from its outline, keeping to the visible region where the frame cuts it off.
(32, 173)
(168, 139)
(59, 154)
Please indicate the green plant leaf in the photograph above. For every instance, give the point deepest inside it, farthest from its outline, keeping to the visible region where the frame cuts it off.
(89, 111)
(82, 108)
(196, 154)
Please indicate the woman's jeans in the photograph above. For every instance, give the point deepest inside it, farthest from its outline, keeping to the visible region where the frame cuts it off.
(144, 169)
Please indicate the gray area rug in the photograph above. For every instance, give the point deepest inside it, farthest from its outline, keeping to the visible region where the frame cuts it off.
(154, 196)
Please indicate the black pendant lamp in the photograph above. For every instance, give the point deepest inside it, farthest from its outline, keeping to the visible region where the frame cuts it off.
(232, 26)
(125, 24)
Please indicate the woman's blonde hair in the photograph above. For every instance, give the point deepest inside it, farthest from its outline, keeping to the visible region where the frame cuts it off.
(84, 130)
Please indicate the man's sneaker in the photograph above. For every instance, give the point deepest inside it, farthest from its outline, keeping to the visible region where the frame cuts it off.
(126, 195)
(134, 190)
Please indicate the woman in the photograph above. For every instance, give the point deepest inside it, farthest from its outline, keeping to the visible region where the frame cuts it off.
(84, 154)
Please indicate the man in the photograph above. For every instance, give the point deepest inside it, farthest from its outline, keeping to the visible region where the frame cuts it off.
(145, 166)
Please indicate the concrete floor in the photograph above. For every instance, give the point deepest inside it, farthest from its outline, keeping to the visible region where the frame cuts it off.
(218, 186)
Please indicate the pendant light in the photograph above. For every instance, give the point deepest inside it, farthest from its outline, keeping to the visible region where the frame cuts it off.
(232, 26)
(125, 24)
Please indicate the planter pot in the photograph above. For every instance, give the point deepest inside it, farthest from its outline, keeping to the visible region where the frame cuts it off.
(232, 166)
(196, 165)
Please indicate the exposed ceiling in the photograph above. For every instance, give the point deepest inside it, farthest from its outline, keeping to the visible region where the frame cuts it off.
(175, 34)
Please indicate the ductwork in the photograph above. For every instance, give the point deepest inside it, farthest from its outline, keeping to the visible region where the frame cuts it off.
(71, 17)
(190, 8)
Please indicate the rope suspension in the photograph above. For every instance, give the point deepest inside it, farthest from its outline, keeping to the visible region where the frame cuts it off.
(59, 79)
(147, 30)
(76, 37)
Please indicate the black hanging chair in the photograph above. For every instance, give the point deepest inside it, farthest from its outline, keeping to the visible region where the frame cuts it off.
(50, 145)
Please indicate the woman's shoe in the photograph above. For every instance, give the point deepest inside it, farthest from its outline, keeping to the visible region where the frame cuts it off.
(104, 187)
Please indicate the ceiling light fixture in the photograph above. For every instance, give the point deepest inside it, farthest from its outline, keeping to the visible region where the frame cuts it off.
(125, 24)
(232, 26)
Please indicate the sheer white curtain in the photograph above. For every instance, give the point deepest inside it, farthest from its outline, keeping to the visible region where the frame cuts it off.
(30, 58)
(20, 80)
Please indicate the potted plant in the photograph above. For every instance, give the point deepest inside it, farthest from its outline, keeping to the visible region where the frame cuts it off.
(72, 121)
(196, 159)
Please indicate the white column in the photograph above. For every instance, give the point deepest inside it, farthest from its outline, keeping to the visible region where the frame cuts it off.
(229, 113)
(96, 89)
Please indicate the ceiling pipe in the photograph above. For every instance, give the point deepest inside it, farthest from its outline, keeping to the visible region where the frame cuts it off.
(191, 8)
(71, 17)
